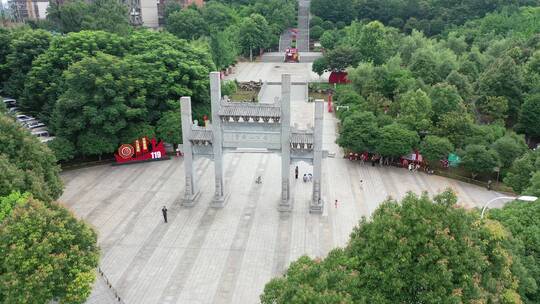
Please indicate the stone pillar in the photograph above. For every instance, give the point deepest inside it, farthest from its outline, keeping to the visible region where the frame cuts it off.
(317, 203)
(285, 204)
(217, 139)
(191, 191)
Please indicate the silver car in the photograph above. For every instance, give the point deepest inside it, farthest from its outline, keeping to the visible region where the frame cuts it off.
(33, 124)
(23, 118)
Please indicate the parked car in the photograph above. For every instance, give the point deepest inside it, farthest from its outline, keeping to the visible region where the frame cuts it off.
(13, 110)
(33, 124)
(46, 139)
(42, 133)
(23, 118)
(10, 102)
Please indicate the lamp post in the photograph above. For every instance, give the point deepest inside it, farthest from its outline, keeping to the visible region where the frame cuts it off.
(524, 198)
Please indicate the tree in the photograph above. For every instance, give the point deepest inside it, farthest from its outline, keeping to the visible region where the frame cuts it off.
(395, 140)
(187, 24)
(253, 34)
(445, 98)
(478, 159)
(44, 82)
(510, 147)
(337, 10)
(529, 116)
(169, 127)
(329, 39)
(341, 58)
(518, 217)
(415, 110)
(218, 16)
(414, 251)
(101, 101)
(519, 175)
(9, 202)
(319, 66)
(62, 148)
(316, 32)
(455, 126)
(359, 132)
(223, 48)
(534, 188)
(435, 148)
(503, 78)
(76, 15)
(26, 164)
(46, 254)
(107, 15)
(68, 16)
(493, 108)
(5, 44)
(26, 45)
(373, 41)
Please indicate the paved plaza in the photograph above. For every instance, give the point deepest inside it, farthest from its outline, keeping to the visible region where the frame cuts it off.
(207, 255)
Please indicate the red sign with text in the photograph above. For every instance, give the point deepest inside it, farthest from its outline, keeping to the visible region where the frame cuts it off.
(141, 151)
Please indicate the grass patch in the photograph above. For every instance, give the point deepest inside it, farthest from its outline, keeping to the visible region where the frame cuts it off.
(241, 95)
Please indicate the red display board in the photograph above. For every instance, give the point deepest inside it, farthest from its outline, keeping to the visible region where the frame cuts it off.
(140, 151)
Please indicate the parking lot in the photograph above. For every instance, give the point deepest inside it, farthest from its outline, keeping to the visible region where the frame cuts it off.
(34, 126)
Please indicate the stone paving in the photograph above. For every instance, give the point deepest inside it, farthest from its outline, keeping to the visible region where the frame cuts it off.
(206, 255)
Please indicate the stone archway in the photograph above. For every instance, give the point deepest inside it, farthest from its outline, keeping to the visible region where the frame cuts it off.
(246, 125)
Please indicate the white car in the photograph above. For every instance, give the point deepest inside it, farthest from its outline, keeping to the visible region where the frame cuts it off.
(13, 110)
(10, 102)
(42, 133)
(33, 124)
(24, 118)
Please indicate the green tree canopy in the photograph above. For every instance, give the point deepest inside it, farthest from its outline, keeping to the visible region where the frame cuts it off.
(445, 98)
(510, 147)
(519, 175)
(396, 140)
(26, 164)
(479, 159)
(253, 34)
(76, 15)
(435, 148)
(359, 132)
(415, 110)
(45, 254)
(26, 45)
(414, 251)
(187, 24)
(520, 219)
(44, 83)
(529, 118)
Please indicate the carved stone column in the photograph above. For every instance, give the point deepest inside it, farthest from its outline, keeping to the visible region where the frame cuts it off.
(191, 190)
(217, 140)
(285, 204)
(317, 203)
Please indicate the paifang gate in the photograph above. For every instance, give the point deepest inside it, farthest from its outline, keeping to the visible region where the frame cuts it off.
(252, 125)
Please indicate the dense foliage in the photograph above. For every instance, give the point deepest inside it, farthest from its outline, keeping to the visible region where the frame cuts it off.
(431, 16)
(77, 15)
(134, 81)
(468, 92)
(233, 28)
(45, 254)
(26, 164)
(523, 221)
(414, 251)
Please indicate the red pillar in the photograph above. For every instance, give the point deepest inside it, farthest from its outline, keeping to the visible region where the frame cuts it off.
(330, 103)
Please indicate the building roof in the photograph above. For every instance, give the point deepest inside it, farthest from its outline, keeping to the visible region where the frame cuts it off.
(248, 109)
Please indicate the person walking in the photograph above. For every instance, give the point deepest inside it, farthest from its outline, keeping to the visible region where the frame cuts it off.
(296, 172)
(335, 204)
(164, 211)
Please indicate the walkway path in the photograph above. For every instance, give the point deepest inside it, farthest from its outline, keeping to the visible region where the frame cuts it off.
(302, 41)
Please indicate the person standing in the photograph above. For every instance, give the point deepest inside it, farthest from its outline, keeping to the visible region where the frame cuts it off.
(296, 172)
(335, 203)
(164, 211)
